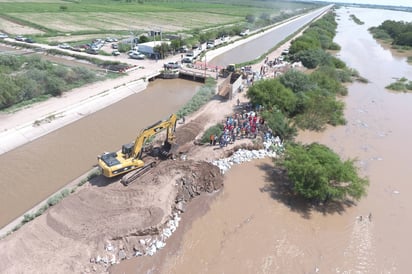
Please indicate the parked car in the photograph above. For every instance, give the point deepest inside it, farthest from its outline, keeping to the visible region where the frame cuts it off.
(92, 51)
(115, 46)
(29, 40)
(171, 65)
(137, 55)
(244, 33)
(187, 59)
(183, 49)
(78, 49)
(19, 38)
(3, 35)
(64, 46)
(115, 53)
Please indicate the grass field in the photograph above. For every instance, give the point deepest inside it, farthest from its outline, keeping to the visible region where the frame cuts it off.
(53, 19)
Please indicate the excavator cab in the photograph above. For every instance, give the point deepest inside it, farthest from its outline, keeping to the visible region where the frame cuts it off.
(231, 68)
(127, 150)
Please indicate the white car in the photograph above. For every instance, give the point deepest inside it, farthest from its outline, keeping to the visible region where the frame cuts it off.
(65, 46)
(3, 35)
(137, 55)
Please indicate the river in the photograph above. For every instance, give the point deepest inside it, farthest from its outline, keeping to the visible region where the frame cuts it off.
(251, 228)
(248, 230)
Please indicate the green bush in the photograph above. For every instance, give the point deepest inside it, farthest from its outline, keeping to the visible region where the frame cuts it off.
(58, 197)
(41, 210)
(216, 130)
(202, 96)
(317, 173)
(401, 85)
(33, 77)
(27, 218)
(280, 125)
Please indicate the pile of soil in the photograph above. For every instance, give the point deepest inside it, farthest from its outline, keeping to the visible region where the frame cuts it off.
(104, 220)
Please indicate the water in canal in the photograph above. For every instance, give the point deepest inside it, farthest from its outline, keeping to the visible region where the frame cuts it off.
(33, 171)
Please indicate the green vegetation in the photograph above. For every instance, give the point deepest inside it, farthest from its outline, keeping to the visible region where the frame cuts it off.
(399, 33)
(202, 96)
(319, 174)
(24, 78)
(402, 84)
(356, 20)
(297, 100)
(216, 130)
(306, 101)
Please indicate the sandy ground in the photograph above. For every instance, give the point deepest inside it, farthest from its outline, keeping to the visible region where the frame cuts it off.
(104, 221)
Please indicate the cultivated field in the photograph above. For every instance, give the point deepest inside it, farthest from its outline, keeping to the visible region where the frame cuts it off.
(58, 21)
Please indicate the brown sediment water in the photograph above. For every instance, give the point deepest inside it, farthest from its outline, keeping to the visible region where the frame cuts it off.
(33, 171)
(252, 228)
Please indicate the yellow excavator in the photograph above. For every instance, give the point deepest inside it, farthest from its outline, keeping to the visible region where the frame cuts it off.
(130, 156)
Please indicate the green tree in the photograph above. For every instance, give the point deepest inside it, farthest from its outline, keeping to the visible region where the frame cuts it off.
(317, 173)
(311, 58)
(55, 86)
(162, 49)
(316, 110)
(297, 81)
(328, 80)
(404, 39)
(143, 39)
(175, 44)
(272, 95)
(9, 92)
(303, 43)
(280, 125)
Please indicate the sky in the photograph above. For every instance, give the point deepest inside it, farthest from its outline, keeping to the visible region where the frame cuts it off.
(405, 3)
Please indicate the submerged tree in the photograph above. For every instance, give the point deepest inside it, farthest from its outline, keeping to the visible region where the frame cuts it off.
(319, 174)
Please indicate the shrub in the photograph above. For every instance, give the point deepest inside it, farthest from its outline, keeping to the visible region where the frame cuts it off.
(41, 210)
(202, 96)
(27, 218)
(216, 130)
(319, 174)
(58, 197)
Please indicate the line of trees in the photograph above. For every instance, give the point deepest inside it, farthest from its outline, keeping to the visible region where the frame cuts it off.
(399, 32)
(297, 100)
(23, 78)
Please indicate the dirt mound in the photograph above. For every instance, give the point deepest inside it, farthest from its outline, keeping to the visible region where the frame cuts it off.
(188, 132)
(104, 222)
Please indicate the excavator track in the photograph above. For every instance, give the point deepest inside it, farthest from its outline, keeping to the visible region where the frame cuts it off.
(132, 176)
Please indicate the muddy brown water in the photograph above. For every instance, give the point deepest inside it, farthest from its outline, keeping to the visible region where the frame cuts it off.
(32, 172)
(252, 228)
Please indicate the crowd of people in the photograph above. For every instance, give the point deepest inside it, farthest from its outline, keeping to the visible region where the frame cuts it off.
(245, 124)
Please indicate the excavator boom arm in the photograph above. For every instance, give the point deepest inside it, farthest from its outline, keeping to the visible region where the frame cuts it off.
(169, 124)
